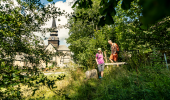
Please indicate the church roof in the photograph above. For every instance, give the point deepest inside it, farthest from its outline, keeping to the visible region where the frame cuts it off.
(63, 47)
(50, 44)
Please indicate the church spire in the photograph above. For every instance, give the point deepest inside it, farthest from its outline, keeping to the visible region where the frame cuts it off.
(54, 39)
(53, 23)
(54, 27)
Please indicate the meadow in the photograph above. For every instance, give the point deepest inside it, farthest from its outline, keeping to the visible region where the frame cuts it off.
(119, 83)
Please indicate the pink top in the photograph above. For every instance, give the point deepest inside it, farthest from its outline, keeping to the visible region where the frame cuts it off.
(99, 58)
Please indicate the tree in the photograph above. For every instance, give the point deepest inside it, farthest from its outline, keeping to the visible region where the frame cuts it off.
(85, 36)
(17, 25)
(150, 9)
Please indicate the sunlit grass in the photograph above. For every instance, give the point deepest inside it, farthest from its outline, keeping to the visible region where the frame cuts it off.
(117, 83)
(120, 83)
(44, 91)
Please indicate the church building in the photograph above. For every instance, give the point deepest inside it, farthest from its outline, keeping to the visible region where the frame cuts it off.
(53, 46)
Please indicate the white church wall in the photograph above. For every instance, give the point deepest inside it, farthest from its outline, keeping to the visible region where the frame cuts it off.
(58, 60)
(54, 59)
(66, 61)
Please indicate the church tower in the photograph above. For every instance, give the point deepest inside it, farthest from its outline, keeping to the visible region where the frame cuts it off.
(54, 39)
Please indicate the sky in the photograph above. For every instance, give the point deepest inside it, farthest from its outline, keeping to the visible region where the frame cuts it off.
(46, 2)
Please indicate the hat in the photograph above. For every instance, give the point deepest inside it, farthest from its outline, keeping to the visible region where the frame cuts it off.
(99, 48)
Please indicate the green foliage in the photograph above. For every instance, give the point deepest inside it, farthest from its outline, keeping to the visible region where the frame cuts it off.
(47, 81)
(156, 59)
(133, 61)
(129, 34)
(49, 0)
(107, 9)
(83, 39)
(150, 9)
(158, 34)
(17, 38)
(85, 48)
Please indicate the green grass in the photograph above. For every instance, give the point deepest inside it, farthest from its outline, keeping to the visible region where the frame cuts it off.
(119, 83)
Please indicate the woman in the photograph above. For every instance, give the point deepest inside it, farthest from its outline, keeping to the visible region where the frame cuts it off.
(100, 62)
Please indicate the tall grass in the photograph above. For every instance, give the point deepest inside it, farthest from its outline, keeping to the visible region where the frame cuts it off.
(119, 83)
(148, 82)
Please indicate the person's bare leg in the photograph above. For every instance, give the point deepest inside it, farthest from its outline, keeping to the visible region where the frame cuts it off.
(111, 60)
(102, 73)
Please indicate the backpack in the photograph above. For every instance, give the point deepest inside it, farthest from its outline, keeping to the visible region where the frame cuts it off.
(115, 46)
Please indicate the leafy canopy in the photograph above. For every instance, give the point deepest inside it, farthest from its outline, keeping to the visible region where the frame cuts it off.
(152, 10)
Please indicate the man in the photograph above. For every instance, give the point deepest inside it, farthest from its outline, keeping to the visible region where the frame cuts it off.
(114, 53)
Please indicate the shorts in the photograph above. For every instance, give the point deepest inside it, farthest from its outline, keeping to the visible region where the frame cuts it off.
(114, 57)
(101, 67)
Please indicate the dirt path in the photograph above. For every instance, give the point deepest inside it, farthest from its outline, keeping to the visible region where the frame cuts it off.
(54, 73)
